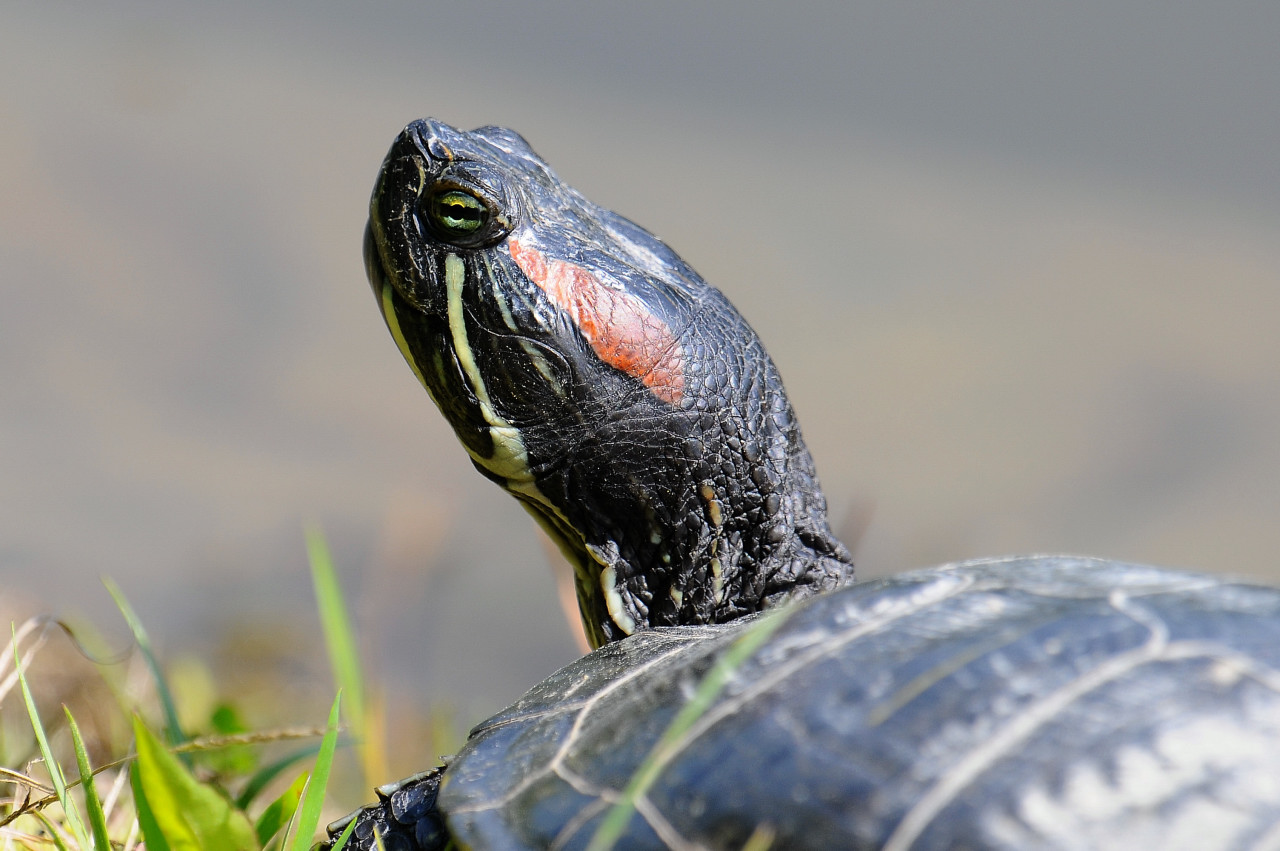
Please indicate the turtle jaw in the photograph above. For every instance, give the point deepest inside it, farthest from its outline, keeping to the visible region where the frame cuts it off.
(396, 248)
(375, 270)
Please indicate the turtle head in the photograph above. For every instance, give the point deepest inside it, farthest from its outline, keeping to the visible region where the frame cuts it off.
(592, 374)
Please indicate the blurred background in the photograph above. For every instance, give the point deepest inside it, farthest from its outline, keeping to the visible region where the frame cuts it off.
(1019, 265)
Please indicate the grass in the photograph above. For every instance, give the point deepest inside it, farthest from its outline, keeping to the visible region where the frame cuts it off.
(144, 780)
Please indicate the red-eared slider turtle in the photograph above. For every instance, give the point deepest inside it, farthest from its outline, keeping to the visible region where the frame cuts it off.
(746, 693)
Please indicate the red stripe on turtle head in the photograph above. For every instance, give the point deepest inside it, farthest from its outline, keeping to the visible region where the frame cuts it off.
(622, 331)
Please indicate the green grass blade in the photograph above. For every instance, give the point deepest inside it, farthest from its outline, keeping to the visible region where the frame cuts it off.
(52, 830)
(615, 821)
(344, 658)
(281, 810)
(190, 814)
(339, 638)
(761, 839)
(266, 774)
(173, 730)
(341, 841)
(313, 799)
(69, 807)
(97, 818)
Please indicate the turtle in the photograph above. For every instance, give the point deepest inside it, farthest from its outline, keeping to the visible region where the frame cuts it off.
(745, 691)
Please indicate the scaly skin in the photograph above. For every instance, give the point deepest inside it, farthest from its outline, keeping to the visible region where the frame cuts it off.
(590, 372)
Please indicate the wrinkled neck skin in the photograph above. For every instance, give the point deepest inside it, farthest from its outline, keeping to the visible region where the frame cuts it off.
(734, 514)
(692, 509)
(597, 378)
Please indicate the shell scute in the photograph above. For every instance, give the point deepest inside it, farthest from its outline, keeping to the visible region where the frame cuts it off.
(976, 703)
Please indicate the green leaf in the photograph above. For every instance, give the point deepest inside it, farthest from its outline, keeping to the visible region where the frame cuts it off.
(51, 765)
(313, 797)
(226, 720)
(279, 811)
(97, 819)
(190, 815)
(615, 821)
(173, 729)
(232, 760)
(151, 833)
(265, 775)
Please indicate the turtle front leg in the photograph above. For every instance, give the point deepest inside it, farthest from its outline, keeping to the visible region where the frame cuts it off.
(405, 818)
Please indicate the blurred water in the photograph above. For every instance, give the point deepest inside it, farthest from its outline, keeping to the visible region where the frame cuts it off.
(1030, 303)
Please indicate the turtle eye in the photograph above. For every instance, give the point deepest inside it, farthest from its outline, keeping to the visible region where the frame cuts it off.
(456, 213)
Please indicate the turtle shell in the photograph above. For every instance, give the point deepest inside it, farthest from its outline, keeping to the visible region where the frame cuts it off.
(1013, 703)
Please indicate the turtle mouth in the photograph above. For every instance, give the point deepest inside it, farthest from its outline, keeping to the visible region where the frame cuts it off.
(381, 275)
